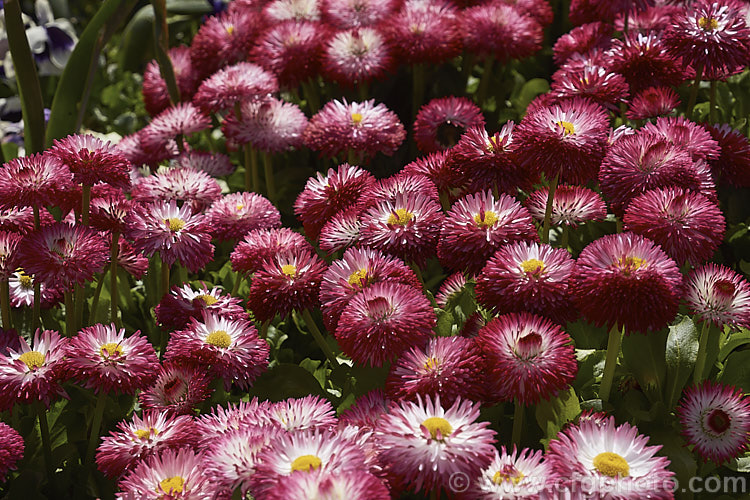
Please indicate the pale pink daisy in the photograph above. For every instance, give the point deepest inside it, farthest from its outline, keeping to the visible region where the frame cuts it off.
(718, 294)
(270, 125)
(214, 164)
(357, 56)
(512, 475)
(571, 205)
(174, 123)
(261, 245)
(351, 485)
(346, 14)
(196, 188)
(185, 302)
(236, 214)
(171, 474)
(177, 390)
(341, 231)
(233, 85)
(302, 414)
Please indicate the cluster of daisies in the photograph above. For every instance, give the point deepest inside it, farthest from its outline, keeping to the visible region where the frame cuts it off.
(496, 209)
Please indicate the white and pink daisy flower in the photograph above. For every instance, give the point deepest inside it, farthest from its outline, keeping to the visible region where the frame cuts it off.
(172, 474)
(718, 294)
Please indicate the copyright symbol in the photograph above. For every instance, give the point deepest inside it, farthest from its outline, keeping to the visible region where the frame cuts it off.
(458, 482)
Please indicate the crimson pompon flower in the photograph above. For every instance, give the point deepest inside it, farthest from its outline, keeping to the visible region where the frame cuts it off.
(571, 205)
(155, 94)
(653, 102)
(172, 473)
(345, 14)
(92, 160)
(11, 449)
(235, 84)
(501, 31)
(732, 166)
(177, 390)
(196, 188)
(441, 122)
(236, 214)
(33, 181)
(185, 302)
(260, 245)
(716, 293)
(582, 39)
(357, 56)
(269, 125)
(222, 40)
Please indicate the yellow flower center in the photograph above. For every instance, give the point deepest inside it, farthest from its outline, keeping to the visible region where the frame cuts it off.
(33, 359)
(25, 280)
(110, 350)
(219, 338)
(567, 128)
(239, 206)
(485, 218)
(708, 24)
(508, 473)
(611, 464)
(629, 265)
(359, 278)
(438, 427)
(174, 224)
(171, 485)
(209, 300)
(431, 364)
(357, 118)
(400, 216)
(289, 270)
(306, 463)
(144, 434)
(230, 30)
(533, 266)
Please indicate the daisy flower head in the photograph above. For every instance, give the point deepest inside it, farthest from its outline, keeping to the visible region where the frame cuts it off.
(358, 269)
(92, 160)
(528, 276)
(653, 102)
(236, 214)
(363, 127)
(628, 280)
(223, 40)
(22, 291)
(441, 122)
(346, 14)
(434, 166)
(21, 219)
(425, 31)
(352, 485)
(33, 181)
(292, 50)
(108, 213)
(185, 302)
(478, 225)
(715, 420)
(530, 358)
(448, 367)
(609, 461)
(9, 339)
(407, 227)
(733, 163)
(235, 84)
(357, 56)
(302, 453)
(382, 321)
(155, 94)
(606, 88)
(62, 254)
(33, 372)
(366, 411)
(515, 475)
(11, 449)
(198, 189)
(499, 30)
(177, 390)
(214, 164)
(341, 231)
(231, 347)
(567, 138)
(221, 420)
(296, 10)
(141, 438)
(302, 414)
(170, 474)
(712, 35)
(8, 253)
(261, 245)
(719, 295)
(101, 358)
(571, 205)
(269, 125)
(145, 148)
(643, 60)
(289, 281)
(581, 40)
(687, 225)
(653, 18)
(175, 232)
(423, 444)
(173, 123)
(403, 184)
(683, 133)
(326, 195)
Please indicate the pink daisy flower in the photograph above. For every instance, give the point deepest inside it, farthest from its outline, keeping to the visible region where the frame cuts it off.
(435, 166)
(8, 253)
(681, 132)
(715, 420)
(609, 461)
(733, 164)
(582, 39)
(528, 277)
(501, 31)
(92, 160)
(155, 94)
(33, 372)
(231, 347)
(302, 414)
(644, 62)
(221, 420)
(21, 219)
(214, 164)
(174, 232)
(108, 213)
(61, 254)
(568, 138)
(452, 288)
(196, 188)
(628, 280)
(139, 151)
(33, 181)
(477, 226)
(171, 474)
(402, 184)
(22, 291)
(174, 123)
(357, 56)
(513, 474)
(177, 390)
(720, 295)
(423, 444)
(101, 358)
(261, 245)
(296, 10)
(688, 226)
(236, 214)
(182, 303)
(530, 358)
(653, 102)
(346, 14)
(341, 231)
(270, 125)
(442, 121)
(11, 450)
(135, 441)
(352, 485)
(366, 411)
(365, 128)
(132, 262)
(571, 205)
(652, 18)
(233, 85)
(382, 321)
(222, 40)
(606, 88)
(448, 367)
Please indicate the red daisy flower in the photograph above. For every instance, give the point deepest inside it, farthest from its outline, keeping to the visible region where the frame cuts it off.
(214, 164)
(177, 390)
(11, 449)
(92, 160)
(356, 56)
(155, 94)
(302, 414)
(571, 205)
(653, 102)
(176, 122)
(234, 84)
(21, 219)
(8, 253)
(718, 294)
(183, 303)
(435, 166)
(341, 231)
(346, 14)
(134, 263)
(198, 189)
(261, 245)
(581, 40)
(140, 151)
(172, 473)
(236, 214)
(599, 84)
(627, 280)
(501, 31)
(733, 164)
(688, 135)
(33, 181)
(382, 321)
(644, 62)
(108, 213)
(222, 40)
(654, 18)
(442, 121)
(270, 125)
(402, 184)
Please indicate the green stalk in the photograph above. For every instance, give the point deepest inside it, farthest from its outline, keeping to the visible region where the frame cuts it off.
(417, 88)
(484, 83)
(96, 424)
(318, 336)
(164, 279)
(517, 423)
(114, 292)
(565, 236)
(237, 282)
(610, 363)
(95, 300)
(712, 102)
(29, 90)
(36, 314)
(80, 301)
(252, 175)
(445, 201)
(466, 66)
(46, 443)
(700, 360)
(5, 304)
(85, 204)
(161, 46)
(548, 208)
(694, 91)
(270, 181)
(69, 315)
(310, 91)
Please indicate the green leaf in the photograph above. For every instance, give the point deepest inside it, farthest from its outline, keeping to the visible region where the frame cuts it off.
(736, 370)
(681, 353)
(740, 464)
(590, 368)
(444, 325)
(554, 414)
(587, 336)
(529, 91)
(285, 380)
(682, 462)
(644, 356)
(735, 340)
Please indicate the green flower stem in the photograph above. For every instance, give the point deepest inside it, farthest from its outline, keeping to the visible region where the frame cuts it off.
(270, 181)
(467, 64)
(96, 424)
(694, 91)
(445, 201)
(36, 315)
(610, 362)
(484, 83)
(164, 279)
(548, 208)
(80, 301)
(310, 91)
(5, 304)
(41, 413)
(161, 46)
(237, 282)
(85, 204)
(95, 300)
(565, 236)
(712, 103)
(700, 360)
(518, 412)
(69, 314)
(113, 292)
(417, 88)
(252, 174)
(318, 336)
